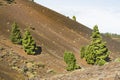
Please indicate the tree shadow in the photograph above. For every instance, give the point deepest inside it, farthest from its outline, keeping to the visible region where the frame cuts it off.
(108, 59)
(39, 50)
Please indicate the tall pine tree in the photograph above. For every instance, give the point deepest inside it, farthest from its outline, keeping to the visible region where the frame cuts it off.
(101, 51)
(28, 43)
(15, 35)
(96, 52)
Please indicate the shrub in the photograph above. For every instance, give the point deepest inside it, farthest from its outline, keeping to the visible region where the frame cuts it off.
(28, 43)
(70, 60)
(15, 35)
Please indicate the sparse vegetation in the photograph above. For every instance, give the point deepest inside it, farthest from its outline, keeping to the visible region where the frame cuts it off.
(9, 1)
(96, 52)
(15, 36)
(28, 43)
(28, 68)
(70, 60)
(55, 33)
(117, 60)
(112, 35)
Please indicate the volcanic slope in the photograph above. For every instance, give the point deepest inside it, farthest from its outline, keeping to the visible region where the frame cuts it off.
(53, 32)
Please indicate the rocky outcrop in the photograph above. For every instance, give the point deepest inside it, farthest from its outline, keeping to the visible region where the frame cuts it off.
(109, 71)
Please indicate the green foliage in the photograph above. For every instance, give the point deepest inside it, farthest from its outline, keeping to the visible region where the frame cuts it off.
(96, 52)
(15, 36)
(28, 43)
(90, 54)
(74, 18)
(100, 62)
(70, 60)
(101, 51)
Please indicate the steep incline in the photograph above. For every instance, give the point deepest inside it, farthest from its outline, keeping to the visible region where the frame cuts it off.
(52, 30)
(54, 33)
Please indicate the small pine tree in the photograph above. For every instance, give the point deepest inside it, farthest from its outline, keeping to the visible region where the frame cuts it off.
(15, 36)
(74, 18)
(96, 52)
(70, 60)
(28, 43)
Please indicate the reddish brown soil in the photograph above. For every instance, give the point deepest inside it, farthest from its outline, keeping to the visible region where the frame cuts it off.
(7, 74)
(54, 33)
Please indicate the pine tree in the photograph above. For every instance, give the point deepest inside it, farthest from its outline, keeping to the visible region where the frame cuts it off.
(28, 43)
(74, 18)
(70, 60)
(15, 36)
(96, 52)
(100, 49)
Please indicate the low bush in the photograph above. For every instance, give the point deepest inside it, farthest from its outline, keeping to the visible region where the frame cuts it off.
(70, 60)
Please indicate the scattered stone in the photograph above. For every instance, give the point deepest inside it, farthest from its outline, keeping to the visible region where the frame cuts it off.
(74, 41)
(8, 30)
(101, 79)
(39, 64)
(28, 68)
(24, 68)
(29, 65)
(32, 28)
(2, 55)
(15, 68)
(117, 77)
(30, 75)
(1, 48)
(50, 71)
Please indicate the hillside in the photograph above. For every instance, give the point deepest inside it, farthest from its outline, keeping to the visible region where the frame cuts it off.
(54, 33)
(106, 72)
